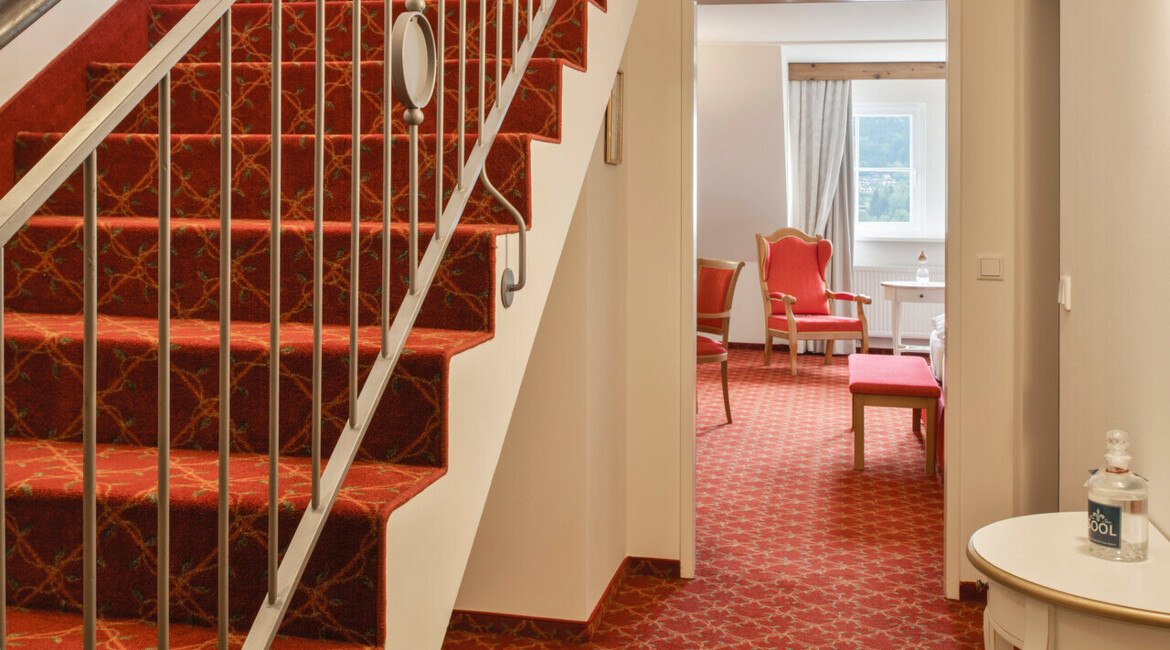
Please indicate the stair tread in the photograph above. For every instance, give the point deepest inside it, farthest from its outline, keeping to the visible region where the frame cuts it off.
(244, 224)
(195, 98)
(53, 469)
(563, 39)
(33, 629)
(127, 170)
(245, 334)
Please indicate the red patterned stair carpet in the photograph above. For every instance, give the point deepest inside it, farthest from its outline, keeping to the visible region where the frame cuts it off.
(340, 598)
(795, 549)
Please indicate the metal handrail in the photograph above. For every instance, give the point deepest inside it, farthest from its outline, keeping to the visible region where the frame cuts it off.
(18, 15)
(78, 147)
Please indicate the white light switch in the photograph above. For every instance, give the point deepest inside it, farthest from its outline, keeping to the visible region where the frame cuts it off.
(990, 267)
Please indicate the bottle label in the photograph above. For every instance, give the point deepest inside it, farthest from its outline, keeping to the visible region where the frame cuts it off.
(1104, 524)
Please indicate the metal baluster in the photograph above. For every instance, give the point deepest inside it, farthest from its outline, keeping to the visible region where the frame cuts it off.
(89, 410)
(528, 34)
(482, 70)
(3, 499)
(387, 172)
(440, 116)
(225, 318)
(355, 205)
(499, 50)
(414, 98)
(164, 362)
(274, 310)
(515, 30)
(318, 244)
(462, 90)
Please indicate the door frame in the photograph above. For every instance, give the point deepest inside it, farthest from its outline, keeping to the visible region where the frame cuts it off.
(952, 470)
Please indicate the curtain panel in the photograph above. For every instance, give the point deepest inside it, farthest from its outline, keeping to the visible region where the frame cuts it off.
(820, 134)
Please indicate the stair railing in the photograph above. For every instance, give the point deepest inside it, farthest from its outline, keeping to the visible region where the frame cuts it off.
(412, 74)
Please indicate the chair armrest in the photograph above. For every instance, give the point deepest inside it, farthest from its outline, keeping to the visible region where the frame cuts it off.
(785, 300)
(850, 297)
(721, 314)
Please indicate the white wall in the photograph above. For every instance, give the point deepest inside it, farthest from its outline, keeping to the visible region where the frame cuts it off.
(44, 40)
(742, 76)
(821, 22)
(1115, 85)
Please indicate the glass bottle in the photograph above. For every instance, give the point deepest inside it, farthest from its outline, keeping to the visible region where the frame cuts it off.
(923, 274)
(1118, 516)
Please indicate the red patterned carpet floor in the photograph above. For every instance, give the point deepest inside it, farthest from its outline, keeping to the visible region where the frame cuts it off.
(795, 549)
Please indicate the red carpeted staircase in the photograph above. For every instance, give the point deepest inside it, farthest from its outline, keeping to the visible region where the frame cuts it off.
(342, 594)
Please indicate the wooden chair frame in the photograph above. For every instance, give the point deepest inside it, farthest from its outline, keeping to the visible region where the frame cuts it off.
(791, 335)
(725, 329)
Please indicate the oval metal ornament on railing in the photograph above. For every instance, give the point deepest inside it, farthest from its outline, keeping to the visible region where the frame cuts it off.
(415, 64)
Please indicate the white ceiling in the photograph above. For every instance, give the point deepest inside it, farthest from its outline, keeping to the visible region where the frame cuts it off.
(823, 22)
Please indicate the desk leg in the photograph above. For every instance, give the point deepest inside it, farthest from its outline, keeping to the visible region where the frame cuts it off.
(895, 313)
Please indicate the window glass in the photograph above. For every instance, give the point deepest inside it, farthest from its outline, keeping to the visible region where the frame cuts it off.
(885, 175)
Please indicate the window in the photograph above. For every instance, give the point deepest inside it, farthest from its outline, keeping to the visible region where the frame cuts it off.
(887, 150)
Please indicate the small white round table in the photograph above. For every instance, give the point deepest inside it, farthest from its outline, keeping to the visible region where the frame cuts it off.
(1046, 591)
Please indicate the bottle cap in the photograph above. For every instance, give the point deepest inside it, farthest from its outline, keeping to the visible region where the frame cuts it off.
(1117, 449)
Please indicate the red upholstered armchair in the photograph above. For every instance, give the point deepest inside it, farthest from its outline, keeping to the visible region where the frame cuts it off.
(797, 304)
(716, 288)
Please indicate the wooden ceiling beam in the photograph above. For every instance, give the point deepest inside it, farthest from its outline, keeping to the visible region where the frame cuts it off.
(860, 71)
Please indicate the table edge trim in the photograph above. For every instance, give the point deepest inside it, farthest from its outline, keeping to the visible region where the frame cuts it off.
(1064, 599)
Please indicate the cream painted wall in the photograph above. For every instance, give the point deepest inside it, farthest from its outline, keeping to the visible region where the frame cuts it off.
(1002, 355)
(584, 481)
(44, 40)
(660, 297)
(553, 530)
(1115, 84)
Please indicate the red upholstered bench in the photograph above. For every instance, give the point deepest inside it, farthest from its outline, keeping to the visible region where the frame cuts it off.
(907, 382)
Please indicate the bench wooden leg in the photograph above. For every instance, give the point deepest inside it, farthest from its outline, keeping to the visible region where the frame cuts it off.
(829, 352)
(917, 421)
(858, 433)
(931, 426)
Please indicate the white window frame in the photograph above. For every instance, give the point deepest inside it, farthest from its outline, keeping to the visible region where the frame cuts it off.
(916, 228)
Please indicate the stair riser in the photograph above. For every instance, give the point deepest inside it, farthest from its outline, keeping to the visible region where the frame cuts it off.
(45, 566)
(252, 25)
(128, 177)
(45, 261)
(407, 427)
(195, 99)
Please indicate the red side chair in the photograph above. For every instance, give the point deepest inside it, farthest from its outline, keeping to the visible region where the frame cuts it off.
(797, 304)
(716, 287)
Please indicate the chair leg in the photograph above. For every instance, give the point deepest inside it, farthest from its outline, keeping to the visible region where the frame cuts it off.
(829, 352)
(726, 400)
(865, 342)
(792, 343)
(767, 349)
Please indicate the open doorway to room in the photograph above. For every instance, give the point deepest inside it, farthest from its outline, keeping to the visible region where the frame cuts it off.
(829, 118)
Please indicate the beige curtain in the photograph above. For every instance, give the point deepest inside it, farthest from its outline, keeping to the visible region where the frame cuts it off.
(821, 134)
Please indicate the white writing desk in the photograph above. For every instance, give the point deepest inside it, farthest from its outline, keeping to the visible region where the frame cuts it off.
(1048, 592)
(898, 292)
